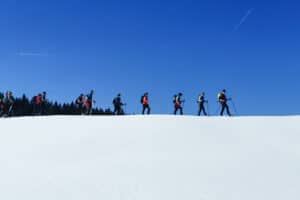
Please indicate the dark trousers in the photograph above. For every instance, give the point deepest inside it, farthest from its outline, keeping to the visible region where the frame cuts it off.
(81, 108)
(89, 107)
(225, 106)
(43, 109)
(2, 110)
(201, 108)
(118, 110)
(9, 110)
(89, 111)
(37, 109)
(146, 107)
(178, 108)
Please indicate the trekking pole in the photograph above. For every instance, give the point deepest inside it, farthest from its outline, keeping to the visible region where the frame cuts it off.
(124, 111)
(234, 107)
(218, 109)
(10, 111)
(207, 108)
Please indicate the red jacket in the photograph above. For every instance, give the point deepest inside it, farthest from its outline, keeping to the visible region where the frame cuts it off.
(145, 100)
(88, 104)
(38, 99)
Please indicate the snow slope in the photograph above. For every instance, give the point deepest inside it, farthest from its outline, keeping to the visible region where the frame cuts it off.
(150, 158)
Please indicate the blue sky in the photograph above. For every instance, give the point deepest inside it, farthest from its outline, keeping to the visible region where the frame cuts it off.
(251, 48)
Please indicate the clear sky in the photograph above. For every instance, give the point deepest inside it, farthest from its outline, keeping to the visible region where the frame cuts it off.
(250, 47)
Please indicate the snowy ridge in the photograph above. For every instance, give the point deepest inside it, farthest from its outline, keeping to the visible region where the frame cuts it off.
(150, 158)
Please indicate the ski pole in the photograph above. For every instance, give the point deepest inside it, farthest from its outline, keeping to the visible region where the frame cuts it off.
(234, 107)
(218, 109)
(207, 108)
(10, 110)
(124, 111)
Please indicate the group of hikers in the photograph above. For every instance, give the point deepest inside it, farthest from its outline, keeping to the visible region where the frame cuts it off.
(222, 99)
(85, 104)
(178, 102)
(7, 102)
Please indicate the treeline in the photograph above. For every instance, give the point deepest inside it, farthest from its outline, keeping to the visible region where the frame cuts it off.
(27, 107)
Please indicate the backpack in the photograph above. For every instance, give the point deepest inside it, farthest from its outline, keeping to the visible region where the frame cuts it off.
(114, 101)
(79, 100)
(142, 99)
(222, 97)
(174, 98)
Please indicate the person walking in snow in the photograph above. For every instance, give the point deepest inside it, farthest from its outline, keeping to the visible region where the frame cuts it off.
(178, 103)
(145, 103)
(222, 98)
(37, 104)
(201, 101)
(89, 103)
(9, 101)
(43, 103)
(2, 106)
(80, 101)
(117, 102)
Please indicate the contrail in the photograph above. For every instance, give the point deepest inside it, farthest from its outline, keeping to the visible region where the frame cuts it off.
(243, 20)
(31, 54)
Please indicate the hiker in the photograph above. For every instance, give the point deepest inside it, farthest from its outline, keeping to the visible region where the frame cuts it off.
(89, 103)
(43, 103)
(37, 104)
(2, 106)
(145, 103)
(201, 100)
(223, 101)
(178, 103)
(80, 101)
(9, 104)
(117, 102)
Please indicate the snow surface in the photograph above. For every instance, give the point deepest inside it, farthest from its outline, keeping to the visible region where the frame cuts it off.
(150, 158)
